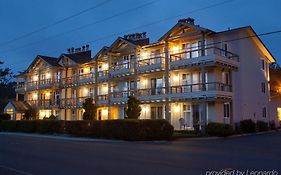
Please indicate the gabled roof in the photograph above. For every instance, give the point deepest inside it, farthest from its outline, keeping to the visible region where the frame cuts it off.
(79, 57)
(103, 50)
(181, 25)
(20, 106)
(120, 39)
(52, 61)
(251, 34)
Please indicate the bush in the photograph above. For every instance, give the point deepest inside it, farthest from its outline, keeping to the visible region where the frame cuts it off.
(131, 129)
(247, 126)
(262, 126)
(272, 125)
(220, 129)
(5, 117)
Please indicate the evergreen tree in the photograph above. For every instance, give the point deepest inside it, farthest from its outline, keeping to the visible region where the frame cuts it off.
(133, 110)
(90, 109)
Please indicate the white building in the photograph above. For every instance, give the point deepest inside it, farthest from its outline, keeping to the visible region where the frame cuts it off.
(191, 74)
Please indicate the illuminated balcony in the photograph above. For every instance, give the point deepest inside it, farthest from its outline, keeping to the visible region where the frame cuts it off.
(153, 64)
(201, 91)
(102, 99)
(68, 103)
(45, 83)
(103, 75)
(68, 82)
(45, 103)
(32, 85)
(120, 97)
(81, 100)
(121, 69)
(210, 57)
(20, 87)
(151, 94)
(86, 78)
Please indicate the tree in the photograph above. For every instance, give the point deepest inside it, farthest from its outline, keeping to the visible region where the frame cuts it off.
(5, 75)
(133, 110)
(31, 114)
(90, 109)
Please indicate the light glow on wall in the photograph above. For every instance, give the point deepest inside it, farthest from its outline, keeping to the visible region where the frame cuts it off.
(34, 96)
(279, 113)
(48, 75)
(85, 91)
(144, 82)
(105, 89)
(176, 78)
(35, 78)
(175, 49)
(144, 55)
(105, 66)
(44, 113)
(177, 108)
(104, 112)
(86, 70)
(47, 95)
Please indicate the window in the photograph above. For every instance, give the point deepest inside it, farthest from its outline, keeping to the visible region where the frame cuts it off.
(226, 110)
(262, 64)
(263, 88)
(264, 112)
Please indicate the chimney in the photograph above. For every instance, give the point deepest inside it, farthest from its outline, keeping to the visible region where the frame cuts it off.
(187, 20)
(87, 47)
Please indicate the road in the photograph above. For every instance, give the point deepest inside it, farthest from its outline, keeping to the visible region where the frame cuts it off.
(21, 155)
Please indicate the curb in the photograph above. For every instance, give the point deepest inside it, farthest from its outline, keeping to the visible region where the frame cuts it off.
(61, 137)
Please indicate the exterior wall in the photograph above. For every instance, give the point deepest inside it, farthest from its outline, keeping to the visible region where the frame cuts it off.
(248, 100)
(275, 111)
(10, 106)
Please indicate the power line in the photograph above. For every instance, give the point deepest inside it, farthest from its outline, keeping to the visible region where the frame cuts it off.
(87, 25)
(242, 38)
(55, 23)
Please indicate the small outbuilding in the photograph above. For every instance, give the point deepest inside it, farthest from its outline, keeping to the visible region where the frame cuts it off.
(16, 109)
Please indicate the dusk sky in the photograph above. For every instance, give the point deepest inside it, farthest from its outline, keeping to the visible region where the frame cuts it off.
(21, 17)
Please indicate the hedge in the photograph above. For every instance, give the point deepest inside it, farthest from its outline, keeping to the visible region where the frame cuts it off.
(262, 126)
(247, 126)
(219, 129)
(130, 129)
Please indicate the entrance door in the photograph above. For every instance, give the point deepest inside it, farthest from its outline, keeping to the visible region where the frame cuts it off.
(196, 117)
(156, 112)
(187, 114)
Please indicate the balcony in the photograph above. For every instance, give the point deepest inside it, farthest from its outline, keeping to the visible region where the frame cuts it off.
(20, 87)
(45, 83)
(45, 103)
(102, 99)
(81, 100)
(201, 90)
(69, 81)
(121, 96)
(86, 79)
(121, 69)
(68, 103)
(152, 93)
(33, 103)
(153, 64)
(211, 56)
(103, 75)
(32, 85)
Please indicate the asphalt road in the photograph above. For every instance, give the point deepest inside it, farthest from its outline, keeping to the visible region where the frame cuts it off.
(21, 155)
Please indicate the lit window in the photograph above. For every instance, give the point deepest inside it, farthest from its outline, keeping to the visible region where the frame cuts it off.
(279, 113)
(226, 110)
(263, 88)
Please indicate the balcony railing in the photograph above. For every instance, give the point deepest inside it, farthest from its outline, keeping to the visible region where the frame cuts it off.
(86, 76)
(33, 102)
(68, 102)
(152, 91)
(150, 61)
(46, 81)
(20, 85)
(122, 94)
(103, 97)
(102, 73)
(206, 51)
(32, 83)
(212, 86)
(121, 66)
(68, 80)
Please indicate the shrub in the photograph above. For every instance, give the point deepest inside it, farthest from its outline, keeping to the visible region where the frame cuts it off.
(272, 125)
(220, 129)
(9, 126)
(262, 126)
(49, 126)
(5, 117)
(133, 110)
(247, 126)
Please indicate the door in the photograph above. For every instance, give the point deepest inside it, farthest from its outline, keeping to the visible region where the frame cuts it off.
(186, 82)
(187, 115)
(156, 112)
(195, 117)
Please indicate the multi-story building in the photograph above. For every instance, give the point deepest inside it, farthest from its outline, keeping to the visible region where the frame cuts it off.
(190, 76)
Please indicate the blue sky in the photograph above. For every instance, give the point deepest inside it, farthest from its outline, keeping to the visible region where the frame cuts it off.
(20, 17)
